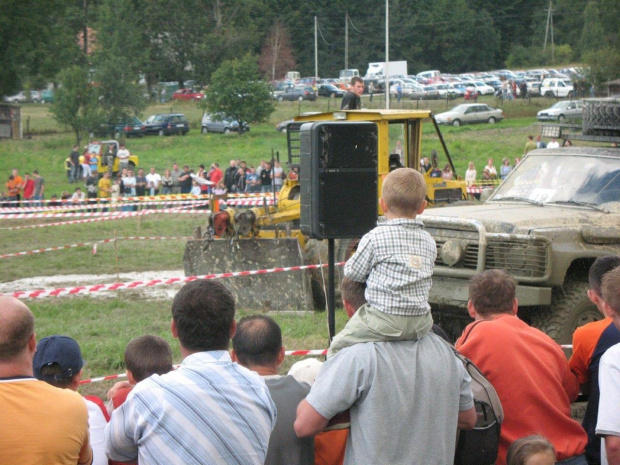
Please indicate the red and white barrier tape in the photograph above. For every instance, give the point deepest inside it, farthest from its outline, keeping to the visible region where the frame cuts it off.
(246, 203)
(103, 241)
(182, 209)
(88, 206)
(118, 216)
(41, 293)
(144, 197)
(292, 353)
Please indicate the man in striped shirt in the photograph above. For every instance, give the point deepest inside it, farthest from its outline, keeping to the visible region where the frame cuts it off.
(208, 411)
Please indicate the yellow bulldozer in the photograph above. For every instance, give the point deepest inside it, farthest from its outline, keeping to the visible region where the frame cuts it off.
(268, 236)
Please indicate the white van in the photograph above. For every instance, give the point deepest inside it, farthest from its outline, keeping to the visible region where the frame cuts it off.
(292, 76)
(427, 76)
(556, 87)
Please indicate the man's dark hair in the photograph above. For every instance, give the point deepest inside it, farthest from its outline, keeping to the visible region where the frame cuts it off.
(203, 311)
(353, 292)
(148, 355)
(530, 137)
(52, 375)
(611, 289)
(492, 291)
(598, 269)
(356, 79)
(258, 341)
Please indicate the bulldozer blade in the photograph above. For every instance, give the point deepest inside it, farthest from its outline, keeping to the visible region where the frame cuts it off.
(289, 290)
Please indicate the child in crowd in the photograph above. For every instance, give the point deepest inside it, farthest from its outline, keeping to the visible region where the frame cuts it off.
(395, 260)
(531, 450)
(505, 168)
(144, 356)
(195, 188)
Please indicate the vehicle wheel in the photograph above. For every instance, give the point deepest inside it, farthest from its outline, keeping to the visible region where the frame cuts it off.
(226, 131)
(317, 253)
(161, 132)
(570, 308)
(280, 99)
(561, 118)
(491, 120)
(204, 130)
(300, 98)
(456, 122)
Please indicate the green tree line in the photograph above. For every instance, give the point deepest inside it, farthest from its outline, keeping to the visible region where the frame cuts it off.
(189, 39)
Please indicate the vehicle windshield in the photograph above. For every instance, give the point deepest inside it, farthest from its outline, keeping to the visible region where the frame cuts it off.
(564, 179)
(559, 105)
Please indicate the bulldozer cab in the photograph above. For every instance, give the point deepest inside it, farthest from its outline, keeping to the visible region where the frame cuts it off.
(400, 145)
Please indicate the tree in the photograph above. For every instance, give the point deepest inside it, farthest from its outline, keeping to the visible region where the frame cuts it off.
(604, 65)
(236, 92)
(592, 37)
(75, 102)
(119, 56)
(276, 57)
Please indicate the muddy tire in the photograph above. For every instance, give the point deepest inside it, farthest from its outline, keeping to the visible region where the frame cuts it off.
(601, 119)
(570, 308)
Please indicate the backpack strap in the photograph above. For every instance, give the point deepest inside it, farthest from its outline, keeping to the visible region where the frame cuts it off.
(100, 404)
(469, 329)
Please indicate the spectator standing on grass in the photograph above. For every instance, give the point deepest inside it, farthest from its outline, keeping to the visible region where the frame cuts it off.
(217, 175)
(176, 173)
(39, 188)
(68, 169)
(94, 164)
(257, 345)
(489, 171)
(40, 424)
(590, 342)
(470, 174)
(371, 89)
(352, 100)
(105, 187)
(153, 181)
(91, 188)
(78, 196)
(141, 183)
(166, 183)
(540, 144)
(28, 187)
(528, 359)
(229, 175)
(505, 168)
(74, 159)
(185, 180)
(554, 144)
(608, 424)
(58, 362)
(429, 397)
(278, 175)
(12, 190)
(85, 165)
(210, 410)
(265, 178)
(530, 145)
(123, 157)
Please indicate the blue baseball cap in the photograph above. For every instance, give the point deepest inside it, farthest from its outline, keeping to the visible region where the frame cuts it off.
(61, 350)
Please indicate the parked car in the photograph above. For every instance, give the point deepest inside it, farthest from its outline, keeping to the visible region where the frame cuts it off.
(561, 111)
(165, 124)
(556, 87)
(221, 123)
(297, 93)
(130, 127)
(330, 90)
(187, 94)
(480, 87)
(47, 96)
(470, 113)
(20, 97)
(281, 126)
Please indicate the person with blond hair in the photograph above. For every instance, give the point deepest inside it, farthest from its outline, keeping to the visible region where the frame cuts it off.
(395, 260)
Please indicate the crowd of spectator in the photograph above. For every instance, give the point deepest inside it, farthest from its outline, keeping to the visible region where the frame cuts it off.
(390, 379)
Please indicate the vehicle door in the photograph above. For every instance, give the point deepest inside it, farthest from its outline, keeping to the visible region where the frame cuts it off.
(471, 114)
(561, 92)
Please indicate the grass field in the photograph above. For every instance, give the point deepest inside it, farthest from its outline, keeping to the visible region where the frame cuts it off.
(104, 326)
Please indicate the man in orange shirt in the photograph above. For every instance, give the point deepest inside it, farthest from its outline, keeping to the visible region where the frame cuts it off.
(527, 368)
(19, 182)
(590, 342)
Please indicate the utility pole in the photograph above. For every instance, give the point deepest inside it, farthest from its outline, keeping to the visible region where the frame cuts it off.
(316, 52)
(387, 54)
(548, 29)
(346, 41)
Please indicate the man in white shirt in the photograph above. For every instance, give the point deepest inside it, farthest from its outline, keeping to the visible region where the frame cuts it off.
(123, 157)
(278, 175)
(554, 144)
(78, 196)
(153, 181)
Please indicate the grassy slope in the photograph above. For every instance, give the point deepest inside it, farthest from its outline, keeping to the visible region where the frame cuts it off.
(103, 327)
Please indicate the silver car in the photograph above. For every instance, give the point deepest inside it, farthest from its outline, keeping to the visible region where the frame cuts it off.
(561, 111)
(470, 113)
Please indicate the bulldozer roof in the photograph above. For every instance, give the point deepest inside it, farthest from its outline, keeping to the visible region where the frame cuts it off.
(366, 115)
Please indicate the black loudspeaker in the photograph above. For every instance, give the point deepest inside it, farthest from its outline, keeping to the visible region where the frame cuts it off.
(338, 179)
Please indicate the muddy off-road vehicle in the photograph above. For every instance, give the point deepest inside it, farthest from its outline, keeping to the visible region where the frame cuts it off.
(557, 211)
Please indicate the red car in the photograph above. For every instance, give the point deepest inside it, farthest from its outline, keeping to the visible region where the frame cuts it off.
(187, 94)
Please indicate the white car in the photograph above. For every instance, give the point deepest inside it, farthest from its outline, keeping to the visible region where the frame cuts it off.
(561, 111)
(556, 87)
(470, 113)
(20, 97)
(480, 87)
